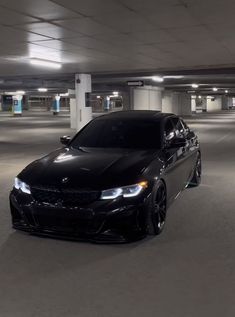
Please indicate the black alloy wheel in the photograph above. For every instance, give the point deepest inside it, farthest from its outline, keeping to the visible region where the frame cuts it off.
(157, 210)
(196, 179)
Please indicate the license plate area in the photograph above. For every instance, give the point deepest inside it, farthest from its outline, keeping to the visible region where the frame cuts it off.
(63, 219)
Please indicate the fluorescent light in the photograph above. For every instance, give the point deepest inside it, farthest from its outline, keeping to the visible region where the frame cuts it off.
(226, 91)
(200, 97)
(20, 92)
(195, 86)
(45, 63)
(215, 89)
(66, 94)
(158, 79)
(115, 93)
(98, 97)
(173, 77)
(42, 89)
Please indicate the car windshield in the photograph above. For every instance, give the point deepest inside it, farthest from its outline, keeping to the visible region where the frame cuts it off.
(120, 133)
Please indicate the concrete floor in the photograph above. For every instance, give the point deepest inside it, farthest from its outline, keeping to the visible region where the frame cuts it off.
(188, 271)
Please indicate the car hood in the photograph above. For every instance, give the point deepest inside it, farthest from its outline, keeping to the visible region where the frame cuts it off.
(89, 168)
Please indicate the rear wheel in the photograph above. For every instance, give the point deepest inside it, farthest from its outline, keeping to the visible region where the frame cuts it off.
(196, 178)
(157, 210)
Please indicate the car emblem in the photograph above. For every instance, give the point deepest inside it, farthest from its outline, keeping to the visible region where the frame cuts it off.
(65, 180)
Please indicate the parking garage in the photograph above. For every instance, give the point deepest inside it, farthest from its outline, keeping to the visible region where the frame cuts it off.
(64, 63)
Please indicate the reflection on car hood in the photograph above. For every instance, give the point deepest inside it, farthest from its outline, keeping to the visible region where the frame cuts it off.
(89, 168)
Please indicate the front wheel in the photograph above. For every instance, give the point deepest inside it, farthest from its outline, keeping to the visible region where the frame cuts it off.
(157, 210)
(196, 178)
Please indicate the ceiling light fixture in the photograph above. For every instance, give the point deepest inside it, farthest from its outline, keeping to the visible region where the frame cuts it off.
(66, 94)
(20, 92)
(173, 77)
(158, 79)
(226, 91)
(45, 63)
(42, 89)
(195, 86)
(115, 93)
(215, 89)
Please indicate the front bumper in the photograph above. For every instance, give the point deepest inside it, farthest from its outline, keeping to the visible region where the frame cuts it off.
(116, 221)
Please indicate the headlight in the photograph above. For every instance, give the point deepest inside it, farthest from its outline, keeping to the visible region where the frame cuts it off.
(22, 186)
(126, 192)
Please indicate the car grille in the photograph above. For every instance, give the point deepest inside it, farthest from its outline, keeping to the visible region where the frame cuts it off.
(65, 197)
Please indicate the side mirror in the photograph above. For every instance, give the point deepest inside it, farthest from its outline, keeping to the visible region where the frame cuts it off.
(65, 139)
(177, 142)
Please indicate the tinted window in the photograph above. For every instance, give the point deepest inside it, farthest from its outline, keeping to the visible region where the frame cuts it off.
(169, 130)
(118, 133)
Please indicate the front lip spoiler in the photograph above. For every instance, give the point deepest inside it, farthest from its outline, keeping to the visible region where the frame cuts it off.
(106, 237)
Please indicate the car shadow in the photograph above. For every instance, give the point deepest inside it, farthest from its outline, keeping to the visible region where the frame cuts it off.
(24, 257)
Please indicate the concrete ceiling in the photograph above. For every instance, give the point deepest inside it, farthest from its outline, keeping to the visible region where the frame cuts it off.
(116, 35)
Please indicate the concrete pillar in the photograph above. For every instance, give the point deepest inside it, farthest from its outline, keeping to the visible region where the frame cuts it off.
(227, 102)
(204, 104)
(169, 103)
(177, 103)
(147, 98)
(184, 104)
(193, 104)
(26, 105)
(73, 112)
(214, 103)
(107, 104)
(56, 105)
(17, 105)
(83, 108)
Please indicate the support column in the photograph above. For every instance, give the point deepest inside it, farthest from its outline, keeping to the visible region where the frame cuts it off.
(26, 105)
(214, 103)
(126, 100)
(147, 98)
(17, 105)
(184, 105)
(177, 103)
(83, 108)
(193, 104)
(56, 105)
(227, 102)
(107, 104)
(204, 104)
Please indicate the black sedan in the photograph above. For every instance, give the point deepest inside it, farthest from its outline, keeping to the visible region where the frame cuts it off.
(112, 182)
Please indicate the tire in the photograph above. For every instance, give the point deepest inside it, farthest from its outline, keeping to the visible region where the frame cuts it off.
(157, 210)
(196, 178)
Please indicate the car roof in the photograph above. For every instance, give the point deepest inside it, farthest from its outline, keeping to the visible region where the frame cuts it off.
(137, 114)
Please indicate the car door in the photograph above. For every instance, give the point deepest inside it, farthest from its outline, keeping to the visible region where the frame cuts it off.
(184, 153)
(173, 161)
(192, 146)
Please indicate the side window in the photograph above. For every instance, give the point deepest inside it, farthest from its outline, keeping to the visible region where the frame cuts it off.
(169, 130)
(179, 128)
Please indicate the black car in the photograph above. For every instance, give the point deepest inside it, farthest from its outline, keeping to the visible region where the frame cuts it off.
(112, 182)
